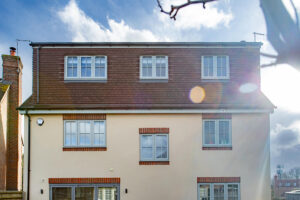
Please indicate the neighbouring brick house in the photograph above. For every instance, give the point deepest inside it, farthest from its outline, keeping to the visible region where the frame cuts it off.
(283, 185)
(10, 132)
(132, 121)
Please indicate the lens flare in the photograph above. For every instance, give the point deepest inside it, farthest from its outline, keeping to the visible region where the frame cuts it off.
(248, 88)
(197, 94)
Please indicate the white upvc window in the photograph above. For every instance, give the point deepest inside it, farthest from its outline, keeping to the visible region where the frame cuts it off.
(215, 67)
(85, 68)
(154, 147)
(218, 191)
(154, 67)
(217, 133)
(84, 133)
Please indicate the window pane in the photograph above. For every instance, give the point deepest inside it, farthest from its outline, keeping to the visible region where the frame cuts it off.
(99, 133)
(210, 132)
(161, 66)
(146, 141)
(100, 66)
(147, 66)
(208, 65)
(71, 134)
(85, 133)
(233, 192)
(161, 146)
(84, 193)
(86, 66)
(147, 153)
(204, 192)
(72, 67)
(219, 192)
(107, 194)
(61, 193)
(224, 132)
(221, 66)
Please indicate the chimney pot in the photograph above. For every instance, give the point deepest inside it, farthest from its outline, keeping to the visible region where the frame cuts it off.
(12, 51)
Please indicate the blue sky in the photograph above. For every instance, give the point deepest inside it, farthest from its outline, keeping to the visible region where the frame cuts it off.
(141, 20)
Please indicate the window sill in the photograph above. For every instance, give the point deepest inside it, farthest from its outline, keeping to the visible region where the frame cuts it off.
(154, 162)
(216, 148)
(154, 80)
(85, 80)
(84, 149)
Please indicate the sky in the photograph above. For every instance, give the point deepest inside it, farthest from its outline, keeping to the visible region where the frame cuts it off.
(141, 20)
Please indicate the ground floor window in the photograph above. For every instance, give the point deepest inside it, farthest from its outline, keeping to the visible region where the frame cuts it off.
(218, 191)
(85, 192)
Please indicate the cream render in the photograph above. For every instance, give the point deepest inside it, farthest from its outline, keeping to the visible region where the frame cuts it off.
(248, 159)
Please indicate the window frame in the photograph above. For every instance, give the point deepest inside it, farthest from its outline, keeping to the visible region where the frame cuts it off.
(217, 134)
(211, 188)
(154, 147)
(92, 134)
(93, 66)
(154, 77)
(95, 186)
(215, 76)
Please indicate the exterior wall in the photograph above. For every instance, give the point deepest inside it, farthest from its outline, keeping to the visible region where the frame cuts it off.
(12, 72)
(248, 159)
(3, 139)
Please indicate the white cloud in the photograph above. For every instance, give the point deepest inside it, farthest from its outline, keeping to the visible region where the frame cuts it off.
(83, 28)
(195, 17)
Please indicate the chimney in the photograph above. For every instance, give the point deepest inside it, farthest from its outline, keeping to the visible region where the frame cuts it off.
(12, 75)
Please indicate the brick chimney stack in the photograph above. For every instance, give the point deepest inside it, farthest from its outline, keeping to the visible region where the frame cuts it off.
(12, 74)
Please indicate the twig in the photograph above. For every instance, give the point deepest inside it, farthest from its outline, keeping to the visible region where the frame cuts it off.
(174, 9)
(268, 55)
(296, 12)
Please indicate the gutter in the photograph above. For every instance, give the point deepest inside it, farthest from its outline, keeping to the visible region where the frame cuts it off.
(28, 164)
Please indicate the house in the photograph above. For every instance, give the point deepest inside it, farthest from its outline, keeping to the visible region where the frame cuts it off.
(134, 121)
(293, 195)
(282, 186)
(11, 142)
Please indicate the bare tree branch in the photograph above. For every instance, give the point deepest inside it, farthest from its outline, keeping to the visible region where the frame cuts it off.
(296, 12)
(174, 9)
(268, 55)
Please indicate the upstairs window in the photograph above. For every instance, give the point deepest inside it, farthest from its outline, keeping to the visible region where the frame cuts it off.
(154, 147)
(85, 67)
(217, 133)
(153, 67)
(84, 133)
(215, 67)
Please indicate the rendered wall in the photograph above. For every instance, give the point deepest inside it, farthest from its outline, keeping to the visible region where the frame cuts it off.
(249, 158)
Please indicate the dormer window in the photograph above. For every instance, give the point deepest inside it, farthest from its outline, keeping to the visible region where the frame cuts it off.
(85, 68)
(215, 67)
(153, 67)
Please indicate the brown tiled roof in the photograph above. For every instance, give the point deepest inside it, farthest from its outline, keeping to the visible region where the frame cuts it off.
(256, 100)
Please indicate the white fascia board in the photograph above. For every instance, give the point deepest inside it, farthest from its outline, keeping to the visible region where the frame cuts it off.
(149, 47)
(160, 111)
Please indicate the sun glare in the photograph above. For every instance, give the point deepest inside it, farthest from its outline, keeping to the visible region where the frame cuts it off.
(282, 85)
(197, 94)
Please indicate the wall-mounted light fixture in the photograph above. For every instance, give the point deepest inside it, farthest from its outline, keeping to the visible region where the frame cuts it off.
(40, 121)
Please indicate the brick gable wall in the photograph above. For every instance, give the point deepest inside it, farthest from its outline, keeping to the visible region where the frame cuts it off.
(13, 74)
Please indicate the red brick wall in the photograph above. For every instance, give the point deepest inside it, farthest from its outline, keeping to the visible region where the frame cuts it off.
(123, 85)
(12, 73)
(83, 180)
